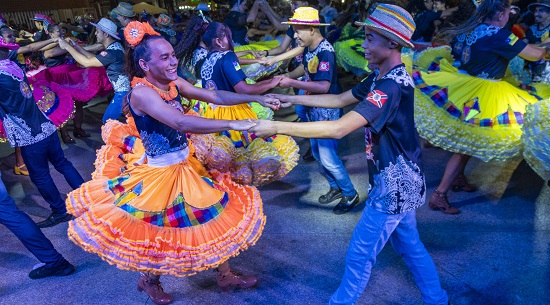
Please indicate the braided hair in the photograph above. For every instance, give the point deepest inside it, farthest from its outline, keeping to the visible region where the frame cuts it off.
(190, 39)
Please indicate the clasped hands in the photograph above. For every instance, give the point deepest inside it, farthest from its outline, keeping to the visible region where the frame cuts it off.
(263, 128)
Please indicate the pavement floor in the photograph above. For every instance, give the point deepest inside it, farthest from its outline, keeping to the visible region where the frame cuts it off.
(496, 251)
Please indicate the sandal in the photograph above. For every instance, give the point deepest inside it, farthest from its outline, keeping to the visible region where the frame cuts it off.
(66, 137)
(21, 170)
(80, 133)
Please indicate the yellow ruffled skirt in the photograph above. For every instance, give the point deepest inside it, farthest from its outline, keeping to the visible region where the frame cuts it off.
(164, 220)
(249, 159)
(469, 115)
(536, 138)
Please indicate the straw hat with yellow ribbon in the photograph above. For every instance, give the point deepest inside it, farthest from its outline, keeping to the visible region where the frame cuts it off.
(305, 16)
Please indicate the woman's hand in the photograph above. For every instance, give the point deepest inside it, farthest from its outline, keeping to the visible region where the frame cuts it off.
(242, 125)
(264, 128)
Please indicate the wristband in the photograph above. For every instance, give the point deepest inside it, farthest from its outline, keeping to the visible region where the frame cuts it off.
(266, 52)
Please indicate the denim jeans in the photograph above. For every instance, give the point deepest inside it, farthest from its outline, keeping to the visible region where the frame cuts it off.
(302, 110)
(26, 230)
(36, 157)
(326, 152)
(114, 110)
(372, 232)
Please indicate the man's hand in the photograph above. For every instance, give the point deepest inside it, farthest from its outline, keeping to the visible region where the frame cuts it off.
(63, 44)
(284, 100)
(285, 82)
(242, 125)
(269, 102)
(264, 128)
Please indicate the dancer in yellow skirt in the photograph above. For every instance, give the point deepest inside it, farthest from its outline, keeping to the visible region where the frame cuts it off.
(162, 216)
(469, 110)
(536, 138)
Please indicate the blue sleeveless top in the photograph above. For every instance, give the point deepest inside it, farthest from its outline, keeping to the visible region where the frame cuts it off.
(159, 138)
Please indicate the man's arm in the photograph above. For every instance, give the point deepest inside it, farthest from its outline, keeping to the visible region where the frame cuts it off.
(322, 100)
(253, 12)
(323, 129)
(321, 86)
(79, 57)
(287, 55)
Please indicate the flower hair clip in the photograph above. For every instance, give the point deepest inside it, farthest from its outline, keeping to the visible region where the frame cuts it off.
(135, 31)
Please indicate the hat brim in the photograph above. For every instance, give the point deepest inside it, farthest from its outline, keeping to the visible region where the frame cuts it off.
(305, 23)
(121, 14)
(382, 31)
(532, 6)
(114, 35)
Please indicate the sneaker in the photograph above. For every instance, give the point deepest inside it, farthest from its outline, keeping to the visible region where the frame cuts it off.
(54, 219)
(332, 195)
(65, 268)
(346, 204)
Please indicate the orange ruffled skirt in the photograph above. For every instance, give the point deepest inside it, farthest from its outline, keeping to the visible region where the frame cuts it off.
(164, 220)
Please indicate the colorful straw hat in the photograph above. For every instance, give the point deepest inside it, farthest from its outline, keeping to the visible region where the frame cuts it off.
(124, 9)
(392, 22)
(107, 26)
(545, 3)
(305, 16)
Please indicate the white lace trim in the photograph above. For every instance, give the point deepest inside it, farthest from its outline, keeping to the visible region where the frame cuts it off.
(20, 134)
(121, 84)
(399, 188)
(400, 76)
(208, 66)
(198, 55)
(538, 33)
(479, 32)
(115, 46)
(323, 46)
(6, 65)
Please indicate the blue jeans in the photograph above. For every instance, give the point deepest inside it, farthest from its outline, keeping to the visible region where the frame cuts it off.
(114, 110)
(36, 157)
(302, 110)
(326, 152)
(26, 230)
(372, 232)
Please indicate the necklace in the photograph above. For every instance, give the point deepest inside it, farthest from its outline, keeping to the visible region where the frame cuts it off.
(167, 95)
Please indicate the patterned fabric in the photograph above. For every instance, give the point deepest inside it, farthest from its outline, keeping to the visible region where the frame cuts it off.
(23, 121)
(479, 32)
(178, 214)
(158, 138)
(113, 61)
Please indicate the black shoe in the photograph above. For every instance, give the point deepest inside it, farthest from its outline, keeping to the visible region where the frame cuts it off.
(308, 156)
(346, 204)
(54, 219)
(65, 268)
(332, 195)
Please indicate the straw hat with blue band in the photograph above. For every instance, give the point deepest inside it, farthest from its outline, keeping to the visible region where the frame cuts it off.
(305, 16)
(392, 22)
(107, 26)
(124, 9)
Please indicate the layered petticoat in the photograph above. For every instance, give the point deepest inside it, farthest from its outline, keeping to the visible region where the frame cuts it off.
(536, 138)
(249, 159)
(81, 84)
(465, 114)
(349, 53)
(164, 219)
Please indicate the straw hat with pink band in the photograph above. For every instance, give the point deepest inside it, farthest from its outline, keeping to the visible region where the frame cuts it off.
(305, 16)
(392, 22)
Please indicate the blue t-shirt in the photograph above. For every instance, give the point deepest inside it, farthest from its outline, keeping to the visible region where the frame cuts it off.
(199, 56)
(320, 65)
(237, 23)
(112, 58)
(486, 51)
(54, 61)
(221, 71)
(396, 179)
(534, 35)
